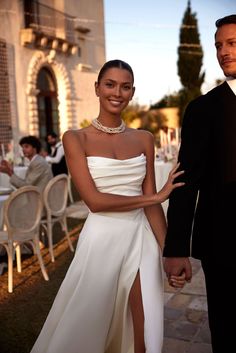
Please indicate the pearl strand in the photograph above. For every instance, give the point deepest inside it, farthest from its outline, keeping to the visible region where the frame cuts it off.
(109, 130)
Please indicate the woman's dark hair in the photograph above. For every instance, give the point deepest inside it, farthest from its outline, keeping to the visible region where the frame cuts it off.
(120, 64)
(227, 20)
(32, 141)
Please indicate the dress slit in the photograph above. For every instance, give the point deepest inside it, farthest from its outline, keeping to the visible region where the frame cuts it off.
(137, 310)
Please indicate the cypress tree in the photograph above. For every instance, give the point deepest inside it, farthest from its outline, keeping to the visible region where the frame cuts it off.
(190, 57)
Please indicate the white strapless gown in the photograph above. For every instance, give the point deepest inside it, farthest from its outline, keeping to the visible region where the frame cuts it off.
(91, 313)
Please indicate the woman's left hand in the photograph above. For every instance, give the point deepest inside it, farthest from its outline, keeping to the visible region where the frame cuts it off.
(177, 281)
(170, 185)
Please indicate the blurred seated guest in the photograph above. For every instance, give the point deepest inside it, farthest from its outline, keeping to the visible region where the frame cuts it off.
(57, 155)
(9, 156)
(39, 171)
(14, 155)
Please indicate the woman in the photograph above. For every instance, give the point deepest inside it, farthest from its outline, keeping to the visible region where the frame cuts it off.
(111, 300)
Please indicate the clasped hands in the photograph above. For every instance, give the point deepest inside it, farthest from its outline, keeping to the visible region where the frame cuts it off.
(178, 271)
(177, 281)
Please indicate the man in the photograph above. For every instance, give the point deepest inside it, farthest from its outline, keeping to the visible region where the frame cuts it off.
(201, 214)
(39, 171)
(57, 157)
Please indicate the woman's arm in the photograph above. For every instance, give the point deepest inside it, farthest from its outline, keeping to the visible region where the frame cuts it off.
(95, 200)
(157, 220)
(155, 213)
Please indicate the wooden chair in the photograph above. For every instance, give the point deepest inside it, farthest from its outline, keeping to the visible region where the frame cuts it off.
(75, 209)
(55, 196)
(22, 215)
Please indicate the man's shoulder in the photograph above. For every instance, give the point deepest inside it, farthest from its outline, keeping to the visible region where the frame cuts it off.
(216, 90)
(58, 144)
(38, 160)
(210, 96)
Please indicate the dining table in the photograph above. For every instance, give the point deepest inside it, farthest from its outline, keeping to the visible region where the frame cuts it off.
(4, 194)
(20, 171)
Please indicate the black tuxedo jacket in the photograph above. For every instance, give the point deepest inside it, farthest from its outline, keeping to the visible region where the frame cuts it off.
(201, 215)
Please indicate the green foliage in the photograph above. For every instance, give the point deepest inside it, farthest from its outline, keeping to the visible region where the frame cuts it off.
(150, 120)
(186, 96)
(190, 60)
(131, 113)
(153, 121)
(85, 123)
(171, 100)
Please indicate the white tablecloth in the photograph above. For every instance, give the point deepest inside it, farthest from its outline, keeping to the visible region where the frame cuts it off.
(162, 170)
(2, 199)
(5, 179)
(2, 249)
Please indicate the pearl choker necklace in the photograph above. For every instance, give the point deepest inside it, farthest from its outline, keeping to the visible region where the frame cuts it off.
(109, 130)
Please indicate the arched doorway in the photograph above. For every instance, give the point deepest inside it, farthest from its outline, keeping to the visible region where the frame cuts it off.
(48, 114)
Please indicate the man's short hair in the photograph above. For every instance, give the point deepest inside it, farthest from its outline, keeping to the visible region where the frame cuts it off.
(227, 20)
(52, 133)
(32, 141)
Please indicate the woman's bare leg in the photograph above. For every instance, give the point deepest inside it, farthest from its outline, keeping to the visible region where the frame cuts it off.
(136, 305)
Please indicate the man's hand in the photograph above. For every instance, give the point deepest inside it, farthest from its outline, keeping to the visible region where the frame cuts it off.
(177, 266)
(6, 168)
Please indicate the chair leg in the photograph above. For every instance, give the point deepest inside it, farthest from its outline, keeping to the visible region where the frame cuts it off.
(65, 228)
(18, 257)
(10, 252)
(40, 259)
(50, 242)
(43, 236)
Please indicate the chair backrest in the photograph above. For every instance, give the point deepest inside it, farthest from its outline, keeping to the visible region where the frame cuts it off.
(55, 195)
(23, 211)
(70, 193)
(73, 194)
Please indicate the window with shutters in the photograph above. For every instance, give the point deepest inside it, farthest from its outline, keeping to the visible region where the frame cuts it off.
(5, 110)
(47, 104)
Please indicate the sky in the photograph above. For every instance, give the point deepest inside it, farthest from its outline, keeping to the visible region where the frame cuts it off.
(146, 35)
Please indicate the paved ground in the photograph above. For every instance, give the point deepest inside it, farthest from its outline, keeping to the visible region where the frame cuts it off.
(186, 320)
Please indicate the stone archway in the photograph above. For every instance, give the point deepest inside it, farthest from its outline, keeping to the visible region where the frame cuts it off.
(66, 91)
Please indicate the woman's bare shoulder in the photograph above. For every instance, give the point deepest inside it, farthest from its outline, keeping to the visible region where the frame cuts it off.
(140, 133)
(75, 134)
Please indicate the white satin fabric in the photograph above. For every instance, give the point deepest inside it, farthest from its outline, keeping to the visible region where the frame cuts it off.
(91, 312)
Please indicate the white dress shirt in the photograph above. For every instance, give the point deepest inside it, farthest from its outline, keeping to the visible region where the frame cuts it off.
(232, 83)
(60, 153)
